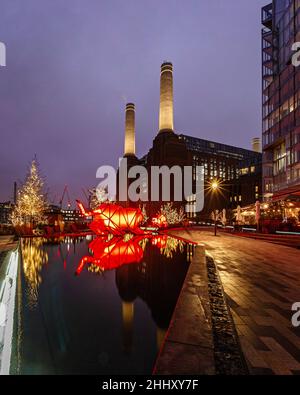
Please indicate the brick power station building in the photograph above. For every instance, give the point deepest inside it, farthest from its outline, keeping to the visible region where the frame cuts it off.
(238, 170)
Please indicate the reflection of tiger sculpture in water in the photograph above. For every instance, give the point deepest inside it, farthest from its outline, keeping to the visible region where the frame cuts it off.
(114, 219)
(113, 253)
(121, 241)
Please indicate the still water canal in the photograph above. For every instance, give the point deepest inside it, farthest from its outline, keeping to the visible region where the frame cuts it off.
(106, 316)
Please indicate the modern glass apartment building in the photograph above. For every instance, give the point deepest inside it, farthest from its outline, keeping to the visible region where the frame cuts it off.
(280, 99)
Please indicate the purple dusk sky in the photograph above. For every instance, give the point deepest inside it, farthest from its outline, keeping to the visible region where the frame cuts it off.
(73, 64)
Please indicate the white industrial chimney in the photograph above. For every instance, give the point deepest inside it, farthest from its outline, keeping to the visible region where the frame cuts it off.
(129, 146)
(166, 122)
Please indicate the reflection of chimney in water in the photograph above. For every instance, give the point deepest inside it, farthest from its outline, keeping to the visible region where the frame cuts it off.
(128, 315)
(129, 147)
(160, 337)
(166, 98)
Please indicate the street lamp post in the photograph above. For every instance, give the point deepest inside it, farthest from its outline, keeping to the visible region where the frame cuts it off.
(215, 188)
(216, 214)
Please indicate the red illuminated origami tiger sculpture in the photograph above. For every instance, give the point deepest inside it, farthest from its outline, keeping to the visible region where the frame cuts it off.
(114, 219)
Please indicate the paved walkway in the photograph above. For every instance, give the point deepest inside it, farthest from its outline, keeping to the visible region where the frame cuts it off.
(188, 350)
(261, 282)
(7, 243)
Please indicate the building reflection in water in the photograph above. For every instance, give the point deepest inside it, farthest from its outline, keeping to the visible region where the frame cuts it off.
(127, 316)
(152, 268)
(157, 280)
(116, 314)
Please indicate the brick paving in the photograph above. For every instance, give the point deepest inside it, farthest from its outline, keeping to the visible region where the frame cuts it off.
(188, 350)
(261, 282)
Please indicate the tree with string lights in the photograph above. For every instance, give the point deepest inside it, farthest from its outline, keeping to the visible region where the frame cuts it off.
(31, 201)
(172, 214)
(98, 196)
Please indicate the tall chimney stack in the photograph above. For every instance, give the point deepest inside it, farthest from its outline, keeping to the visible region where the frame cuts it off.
(129, 148)
(166, 122)
(256, 144)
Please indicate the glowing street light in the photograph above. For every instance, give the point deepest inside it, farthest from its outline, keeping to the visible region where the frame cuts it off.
(215, 187)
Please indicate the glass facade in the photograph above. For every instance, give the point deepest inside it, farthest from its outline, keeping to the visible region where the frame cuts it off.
(220, 161)
(237, 169)
(280, 96)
